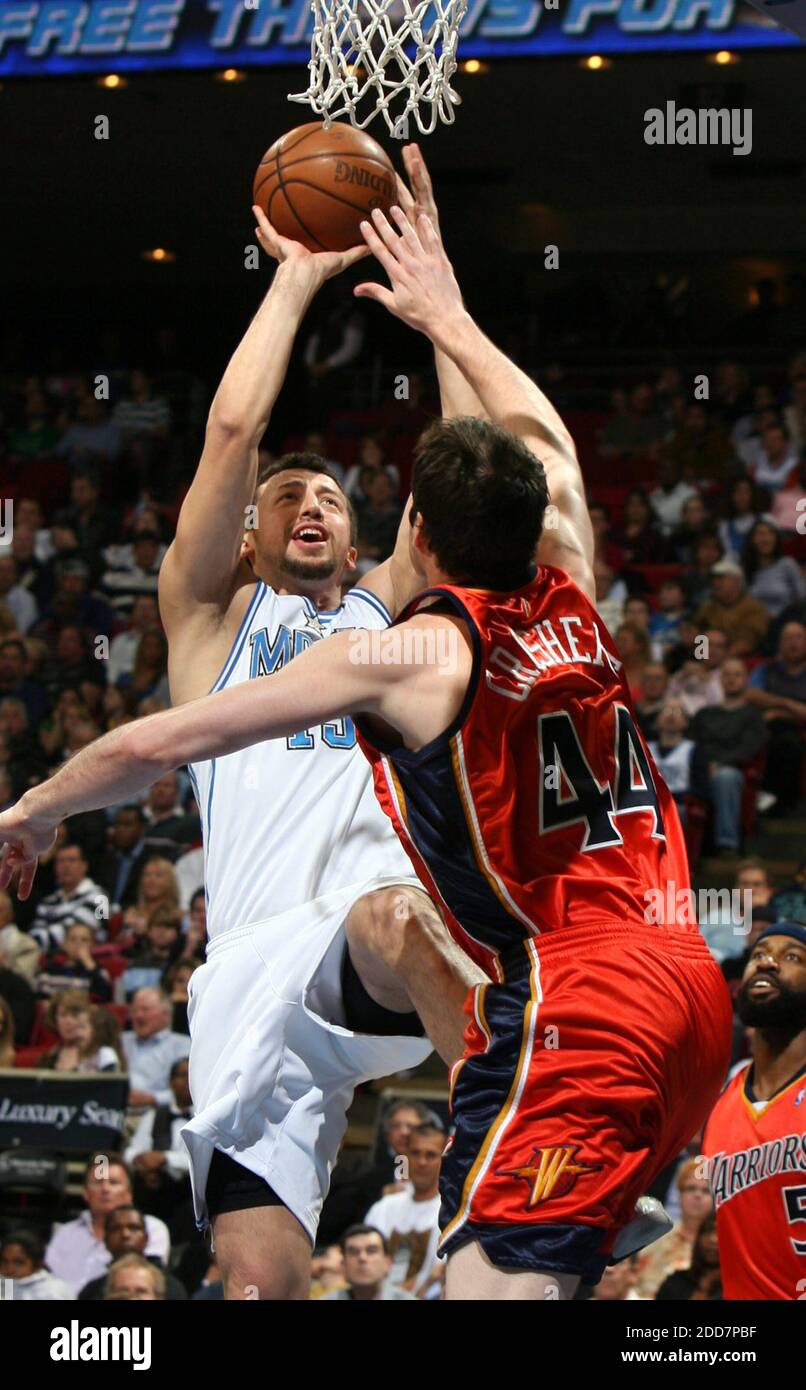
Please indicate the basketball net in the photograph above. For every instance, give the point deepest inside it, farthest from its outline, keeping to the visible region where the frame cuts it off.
(389, 57)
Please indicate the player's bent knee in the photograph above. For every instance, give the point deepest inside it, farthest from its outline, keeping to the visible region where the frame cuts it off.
(380, 923)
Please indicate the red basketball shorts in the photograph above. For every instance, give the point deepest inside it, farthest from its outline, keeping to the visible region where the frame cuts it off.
(585, 1073)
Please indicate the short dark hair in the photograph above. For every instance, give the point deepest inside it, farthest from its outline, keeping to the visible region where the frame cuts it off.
(30, 1242)
(482, 496)
(429, 1127)
(15, 642)
(359, 1229)
(133, 805)
(125, 1206)
(422, 1111)
(307, 462)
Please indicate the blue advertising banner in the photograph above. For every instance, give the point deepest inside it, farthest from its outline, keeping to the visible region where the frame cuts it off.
(39, 37)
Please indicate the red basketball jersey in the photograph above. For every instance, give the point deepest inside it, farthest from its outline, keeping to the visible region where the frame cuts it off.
(757, 1173)
(540, 808)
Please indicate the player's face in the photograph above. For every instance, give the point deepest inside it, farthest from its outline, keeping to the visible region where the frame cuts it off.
(303, 530)
(773, 992)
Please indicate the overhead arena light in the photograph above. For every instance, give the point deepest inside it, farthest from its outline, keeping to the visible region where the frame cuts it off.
(230, 75)
(113, 82)
(158, 255)
(723, 58)
(595, 63)
(473, 66)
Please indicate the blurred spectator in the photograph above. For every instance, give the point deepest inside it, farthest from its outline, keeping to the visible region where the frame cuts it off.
(140, 412)
(149, 674)
(764, 412)
(156, 952)
(28, 517)
(74, 602)
(333, 346)
(151, 1048)
(34, 576)
(636, 611)
(772, 577)
(18, 951)
(656, 682)
(114, 709)
(664, 623)
(702, 1278)
(175, 983)
(611, 595)
(73, 664)
(731, 391)
(680, 762)
(120, 869)
(772, 461)
(189, 870)
(378, 521)
(633, 647)
(22, 1255)
(15, 681)
(409, 1219)
(727, 931)
(795, 414)
(741, 514)
(700, 448)
(668, 498)
(351, 1194)
(68, 711)
(87, 517)
(327, 1271)
(25, 760)
(674, 1251)
(125, 1234)
(697, 577)
(157, 887)
(132, 570)
(7, 1051)
(371, 462)
(21, 604)
(77, 899)
(93, 437)
(123, 650)
(605, 548)
(778, 689)
(366, 1267)
(166, 818)
(71, 1017)
(156, 1155)
(698, 681)
(617, 1284)
(74, 968)
(637, 430)
(136, 1279)
(729, 734)
(38, 436)
(694, 522)
(77, 1251)
(743, 619)
(637, 537)
(315, 442)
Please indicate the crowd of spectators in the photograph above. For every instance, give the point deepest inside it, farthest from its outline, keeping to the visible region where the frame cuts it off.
(699, 570)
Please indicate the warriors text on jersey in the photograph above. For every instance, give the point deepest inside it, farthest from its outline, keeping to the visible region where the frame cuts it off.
(540, 822)
(289, 820)
(756, 1154)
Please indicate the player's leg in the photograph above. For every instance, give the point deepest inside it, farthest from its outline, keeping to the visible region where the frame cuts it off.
(261, 1248)
(472, 1277)
(406, 961)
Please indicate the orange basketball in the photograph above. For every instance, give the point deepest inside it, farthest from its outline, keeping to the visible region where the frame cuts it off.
(317, 185)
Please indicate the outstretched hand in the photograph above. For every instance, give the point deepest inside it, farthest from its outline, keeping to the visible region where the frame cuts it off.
(325, 264)
(419, 197)
(424, 292)
(23, 841)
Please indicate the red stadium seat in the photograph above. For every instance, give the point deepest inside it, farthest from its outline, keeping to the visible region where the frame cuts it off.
(28, 1057)
(41, 1035)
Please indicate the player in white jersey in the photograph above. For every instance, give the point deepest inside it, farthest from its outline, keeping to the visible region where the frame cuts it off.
(300, 863)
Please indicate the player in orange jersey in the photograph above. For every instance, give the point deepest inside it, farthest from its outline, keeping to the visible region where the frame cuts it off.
(755, 1140)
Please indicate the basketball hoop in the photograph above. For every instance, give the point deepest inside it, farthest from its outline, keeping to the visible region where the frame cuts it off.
(393, 57)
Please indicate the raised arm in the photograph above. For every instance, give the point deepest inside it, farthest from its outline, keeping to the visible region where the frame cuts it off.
(202, 566)
(424, 293)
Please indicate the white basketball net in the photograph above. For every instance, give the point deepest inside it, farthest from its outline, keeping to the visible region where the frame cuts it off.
(359, 68)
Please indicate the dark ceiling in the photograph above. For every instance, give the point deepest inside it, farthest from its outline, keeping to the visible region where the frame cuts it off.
(540, 151)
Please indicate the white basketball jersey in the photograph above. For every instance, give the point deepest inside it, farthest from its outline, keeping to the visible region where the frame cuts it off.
(290, 819)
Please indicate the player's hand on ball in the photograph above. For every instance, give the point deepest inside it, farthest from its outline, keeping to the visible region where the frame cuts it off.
(23, 841)
(325, 264)
(424, 292)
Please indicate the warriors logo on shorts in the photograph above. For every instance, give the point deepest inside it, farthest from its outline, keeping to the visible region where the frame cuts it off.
(551, 1172)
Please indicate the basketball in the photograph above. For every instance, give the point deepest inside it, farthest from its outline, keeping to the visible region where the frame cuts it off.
(316, 186)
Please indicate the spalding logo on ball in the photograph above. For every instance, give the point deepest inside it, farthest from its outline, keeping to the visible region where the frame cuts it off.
(316, 186)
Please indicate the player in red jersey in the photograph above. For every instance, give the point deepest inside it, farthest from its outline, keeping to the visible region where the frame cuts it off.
(755, 1140)
(502, 735)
